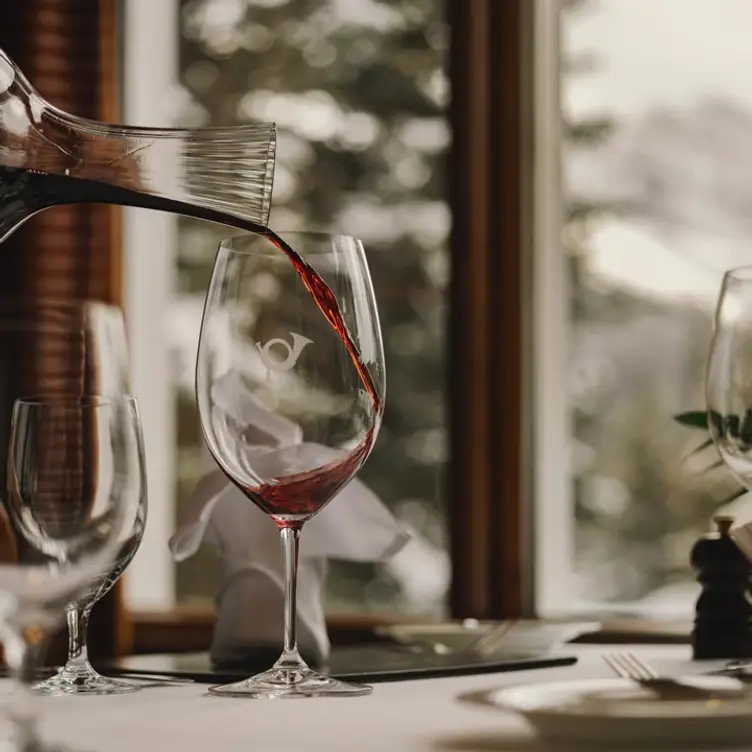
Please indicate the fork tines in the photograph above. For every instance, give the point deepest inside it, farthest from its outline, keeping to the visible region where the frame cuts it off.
(629, 666)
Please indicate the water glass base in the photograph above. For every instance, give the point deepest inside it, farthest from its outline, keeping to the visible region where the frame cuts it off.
(283, 683)
(82, 679)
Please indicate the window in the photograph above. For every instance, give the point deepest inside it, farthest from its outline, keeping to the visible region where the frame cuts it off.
(629, 212)
(359, 91)
(653, 142)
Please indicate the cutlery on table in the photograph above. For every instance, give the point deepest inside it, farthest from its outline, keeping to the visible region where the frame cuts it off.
(490, 641)
(629, 666)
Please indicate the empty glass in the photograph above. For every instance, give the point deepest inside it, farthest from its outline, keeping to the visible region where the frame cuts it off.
(67, 348)
(75, 479)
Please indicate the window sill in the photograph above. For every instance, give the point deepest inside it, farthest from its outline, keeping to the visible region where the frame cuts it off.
(189, 629)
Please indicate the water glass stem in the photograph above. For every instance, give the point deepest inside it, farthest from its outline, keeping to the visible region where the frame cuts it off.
(78, 623)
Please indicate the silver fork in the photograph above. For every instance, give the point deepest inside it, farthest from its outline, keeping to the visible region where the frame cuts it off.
(629, 666)
(489, 642)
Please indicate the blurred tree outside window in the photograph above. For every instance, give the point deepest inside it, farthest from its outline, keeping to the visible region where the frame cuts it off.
(358, 89)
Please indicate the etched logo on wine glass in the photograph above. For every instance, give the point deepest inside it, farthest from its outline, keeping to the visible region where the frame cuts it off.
(272, 359)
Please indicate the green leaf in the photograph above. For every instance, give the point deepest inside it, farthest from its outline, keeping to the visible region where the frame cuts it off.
(699, 419)
(693, 419)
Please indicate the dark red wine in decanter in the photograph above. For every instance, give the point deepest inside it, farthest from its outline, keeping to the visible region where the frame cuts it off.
(49, 157)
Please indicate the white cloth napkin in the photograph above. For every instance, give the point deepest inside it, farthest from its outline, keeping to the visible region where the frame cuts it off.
(355, 526)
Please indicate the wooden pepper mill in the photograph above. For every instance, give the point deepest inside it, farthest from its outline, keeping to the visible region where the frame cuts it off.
(723, 613)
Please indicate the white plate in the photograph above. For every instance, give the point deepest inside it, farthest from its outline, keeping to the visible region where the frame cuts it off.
(596, 713)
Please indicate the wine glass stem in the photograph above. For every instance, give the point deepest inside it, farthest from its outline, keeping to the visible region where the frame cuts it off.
(290, 539)
(78, 623)
(22, 652)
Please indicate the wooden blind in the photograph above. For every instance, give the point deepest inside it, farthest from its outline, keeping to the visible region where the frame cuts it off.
(68, 50)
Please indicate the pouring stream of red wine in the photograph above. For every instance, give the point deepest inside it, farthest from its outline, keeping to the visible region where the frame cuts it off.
(25, 192)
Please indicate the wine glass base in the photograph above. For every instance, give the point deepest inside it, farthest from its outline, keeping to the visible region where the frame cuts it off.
(290, 683)
(82, 679)
(35, 746)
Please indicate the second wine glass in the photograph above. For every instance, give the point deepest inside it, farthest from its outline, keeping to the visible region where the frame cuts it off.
(75, 480)
(290, 386)
(728, 381)
(66, 347)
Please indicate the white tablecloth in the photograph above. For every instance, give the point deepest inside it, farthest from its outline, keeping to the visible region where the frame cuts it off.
(410, 716)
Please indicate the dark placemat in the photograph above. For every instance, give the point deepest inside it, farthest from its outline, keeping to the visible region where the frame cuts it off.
(368, 663)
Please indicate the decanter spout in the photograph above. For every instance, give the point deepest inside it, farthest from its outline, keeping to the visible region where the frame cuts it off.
(223, 170)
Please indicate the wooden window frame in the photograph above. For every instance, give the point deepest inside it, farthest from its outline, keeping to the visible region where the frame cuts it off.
(489, 330)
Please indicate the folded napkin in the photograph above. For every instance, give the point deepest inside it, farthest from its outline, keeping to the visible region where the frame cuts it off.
(354, 526)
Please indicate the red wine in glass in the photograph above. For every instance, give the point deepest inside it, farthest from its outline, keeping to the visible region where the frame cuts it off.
(295, 498)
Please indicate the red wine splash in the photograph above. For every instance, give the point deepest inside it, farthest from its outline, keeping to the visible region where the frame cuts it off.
(289, 501)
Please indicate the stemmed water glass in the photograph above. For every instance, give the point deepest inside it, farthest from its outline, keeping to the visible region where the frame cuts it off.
(66, 348)
(75, 478)
(270, 357)
(729, 375)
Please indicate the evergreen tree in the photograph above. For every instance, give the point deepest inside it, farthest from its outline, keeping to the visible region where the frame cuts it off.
(358, 90)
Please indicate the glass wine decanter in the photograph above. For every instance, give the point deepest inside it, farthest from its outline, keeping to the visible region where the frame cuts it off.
(49, 158)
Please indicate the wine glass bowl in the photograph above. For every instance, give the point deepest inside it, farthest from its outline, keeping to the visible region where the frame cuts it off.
(728, 382)
(75, 491)
(290, 386)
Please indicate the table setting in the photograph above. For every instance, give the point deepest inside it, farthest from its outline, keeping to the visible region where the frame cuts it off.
(422, 715)
(291, 390)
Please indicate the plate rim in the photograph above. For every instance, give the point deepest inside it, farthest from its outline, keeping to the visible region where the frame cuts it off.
(500, 698)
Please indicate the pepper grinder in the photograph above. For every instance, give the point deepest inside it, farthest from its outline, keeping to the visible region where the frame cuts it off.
(723, 612)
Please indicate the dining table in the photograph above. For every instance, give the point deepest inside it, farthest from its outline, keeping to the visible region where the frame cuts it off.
(425, 715)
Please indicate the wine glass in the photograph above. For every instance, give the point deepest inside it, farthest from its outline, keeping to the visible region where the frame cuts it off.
(729, 375)
(68, 347)
(75, 479)
(290, 387)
